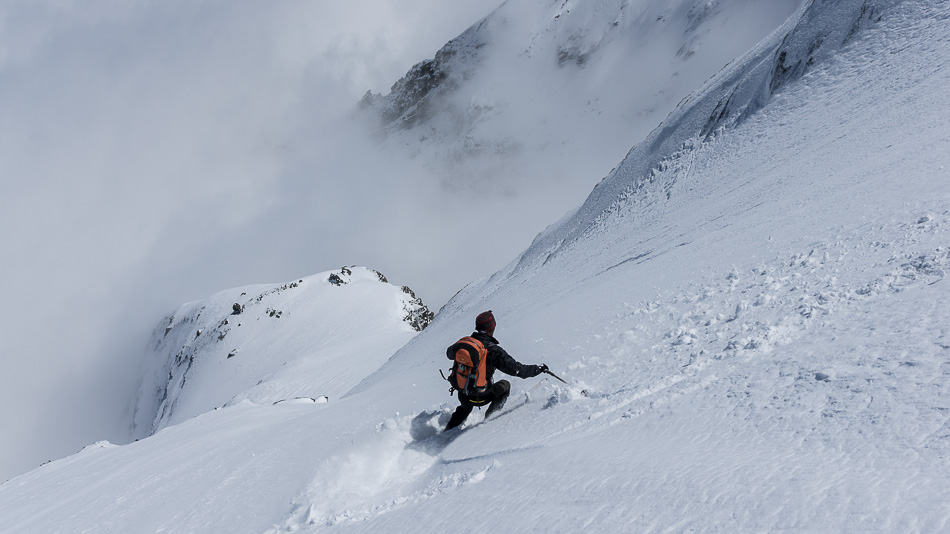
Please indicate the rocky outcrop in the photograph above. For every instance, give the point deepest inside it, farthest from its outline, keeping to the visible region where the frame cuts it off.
(411, 100)
(418, 314)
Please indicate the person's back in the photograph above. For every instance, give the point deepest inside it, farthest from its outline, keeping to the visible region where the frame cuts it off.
(492, 393)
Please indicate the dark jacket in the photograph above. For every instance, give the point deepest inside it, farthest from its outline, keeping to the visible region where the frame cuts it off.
(498, 358)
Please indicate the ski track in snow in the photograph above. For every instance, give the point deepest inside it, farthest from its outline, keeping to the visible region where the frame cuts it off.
(401, 467)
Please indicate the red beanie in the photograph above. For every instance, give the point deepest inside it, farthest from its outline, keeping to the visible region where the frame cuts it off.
(485, 322)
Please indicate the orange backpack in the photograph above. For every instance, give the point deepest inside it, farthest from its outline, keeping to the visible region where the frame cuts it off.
(468, 372)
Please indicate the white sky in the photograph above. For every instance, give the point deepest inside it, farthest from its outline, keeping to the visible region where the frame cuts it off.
(154, 152)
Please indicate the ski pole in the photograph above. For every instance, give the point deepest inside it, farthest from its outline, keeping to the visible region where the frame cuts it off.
(548, 371)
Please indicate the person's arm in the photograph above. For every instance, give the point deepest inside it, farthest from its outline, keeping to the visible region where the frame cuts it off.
(505, 363)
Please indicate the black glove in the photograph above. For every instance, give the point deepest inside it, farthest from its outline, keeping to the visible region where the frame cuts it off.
(534, 370)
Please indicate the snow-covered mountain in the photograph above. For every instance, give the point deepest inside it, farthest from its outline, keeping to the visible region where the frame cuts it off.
(561, 89)
(274, 342)
(750, 311)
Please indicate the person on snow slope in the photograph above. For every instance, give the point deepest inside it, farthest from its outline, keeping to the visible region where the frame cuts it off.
(488, 392)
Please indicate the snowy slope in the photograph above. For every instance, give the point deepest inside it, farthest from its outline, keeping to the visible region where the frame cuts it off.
(752, 322)
(314, 337)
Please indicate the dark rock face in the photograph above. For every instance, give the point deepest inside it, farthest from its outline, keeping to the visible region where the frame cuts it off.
(341, 278)
(410, 100)
(418, 314)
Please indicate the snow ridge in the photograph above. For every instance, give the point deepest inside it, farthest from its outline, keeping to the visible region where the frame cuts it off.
(214, 352)
(738, 92)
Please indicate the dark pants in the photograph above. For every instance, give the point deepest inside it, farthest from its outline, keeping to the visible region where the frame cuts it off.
(495, 397)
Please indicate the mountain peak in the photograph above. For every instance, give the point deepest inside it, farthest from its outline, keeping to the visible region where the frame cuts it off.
(240, 343)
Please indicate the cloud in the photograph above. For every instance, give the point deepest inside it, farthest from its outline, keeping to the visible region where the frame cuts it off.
(153, 152)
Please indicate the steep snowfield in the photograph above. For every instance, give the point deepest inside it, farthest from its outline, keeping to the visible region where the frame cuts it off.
(751, 313)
